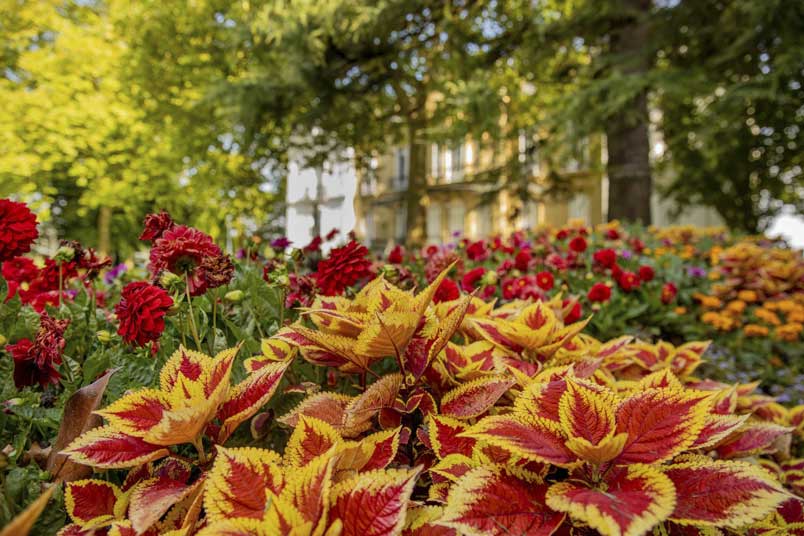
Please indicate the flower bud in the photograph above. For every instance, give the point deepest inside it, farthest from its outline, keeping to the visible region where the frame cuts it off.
(296, 254)
(64, 254)
(3, 340)
(490, 278)
(234, 296)
(104, 336)
(170, 281)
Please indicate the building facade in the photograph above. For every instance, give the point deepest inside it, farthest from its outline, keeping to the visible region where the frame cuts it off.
(469, 192)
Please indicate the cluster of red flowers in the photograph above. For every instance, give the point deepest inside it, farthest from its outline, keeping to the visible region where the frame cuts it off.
(17, 229)
(34, 360)
(344, 267)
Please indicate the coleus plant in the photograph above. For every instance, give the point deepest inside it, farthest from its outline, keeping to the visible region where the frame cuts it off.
(491, 421)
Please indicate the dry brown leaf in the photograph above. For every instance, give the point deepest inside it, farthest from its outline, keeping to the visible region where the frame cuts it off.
(77, 419)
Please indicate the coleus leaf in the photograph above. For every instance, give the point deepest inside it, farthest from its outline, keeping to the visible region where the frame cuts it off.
(106, 448)
(94, 503)
(152, 498)
(754, 438)
(311, 438)
(474, 398)
(534, 438)
(240, 481)
(421, 521)
(660, 424)
(630, 501)
(328, 407)
(722, 493)
(587, 417)
(373, 503)
(248, 397)
(445, 435)
(484, 502)
(362, 409)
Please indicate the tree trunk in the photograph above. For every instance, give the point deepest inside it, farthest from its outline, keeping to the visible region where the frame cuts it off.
(628, 168)
(104, 230)
(417, 187)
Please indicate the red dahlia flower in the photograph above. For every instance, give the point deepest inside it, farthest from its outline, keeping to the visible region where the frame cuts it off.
(471, 278)
(182, 250)
(17, 229)
(397, 255)
(628, 281)
(578, 244)
(34, 361)
(332, 234)
(477, 251)
(344, 267)
(606, 258)
(438, 261)
(600, 292)
(301, 291)
(522, 260)
(612, 234)
(155, 226)
(141, 312)
(669, 291)
(646, 273)
(447, 291)
(545, 280)
(314, 245)
(17, 271)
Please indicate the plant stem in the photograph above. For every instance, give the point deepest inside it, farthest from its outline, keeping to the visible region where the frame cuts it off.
(193, 329)
(214, 323)
(61, 283)
(199, 446)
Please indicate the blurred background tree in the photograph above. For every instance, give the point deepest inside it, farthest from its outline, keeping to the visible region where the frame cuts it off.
(114, 108)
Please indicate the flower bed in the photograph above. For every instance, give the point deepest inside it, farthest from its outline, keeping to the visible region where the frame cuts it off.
(517, 386)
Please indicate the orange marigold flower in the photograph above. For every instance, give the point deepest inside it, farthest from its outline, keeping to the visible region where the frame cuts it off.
(736, 306)
(680, 310)
(767, 316)
(789, 332)
(708, 302)
(755, 330)
(747, 295)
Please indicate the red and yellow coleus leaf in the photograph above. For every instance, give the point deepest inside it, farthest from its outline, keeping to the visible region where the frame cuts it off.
(310, 439)
(328, 407)
(421, 521)
(722, 494)
(152, 498)
(106, 448)
(474, 398)
(241, 482)
(94, 503)
(247, 397)
(629, 501)
(533, 438)
(752, 439)
(274, 350)
(362, 409)
(485, 502)
(446, 437)
(193, 386)
(373, 503)
(587, 417)
(660, 423)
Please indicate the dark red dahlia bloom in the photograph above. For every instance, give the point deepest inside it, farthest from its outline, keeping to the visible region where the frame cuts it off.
(605, 257)
(332, 234)
(344, 267)
(34, 361)
(646, 273)
(600, 292)
(522, 260)
(669, 291)
(472, 278)
(155, 226)
(562, 234)
(438, 261)
(314, 245)
(217, 271)
(182, 250)
(578, 244)
(141, 312)
(447, 291)
(301, 291)
(612, 234)
(397, 255)
(17, 229)
(477, 251)
(628, 281)
(545, 280)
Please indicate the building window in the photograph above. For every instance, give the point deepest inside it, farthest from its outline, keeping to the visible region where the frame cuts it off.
(434, 222)
(435, 162)
(401, 169)
(453, 164)
(457, 215)
(401, 224)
